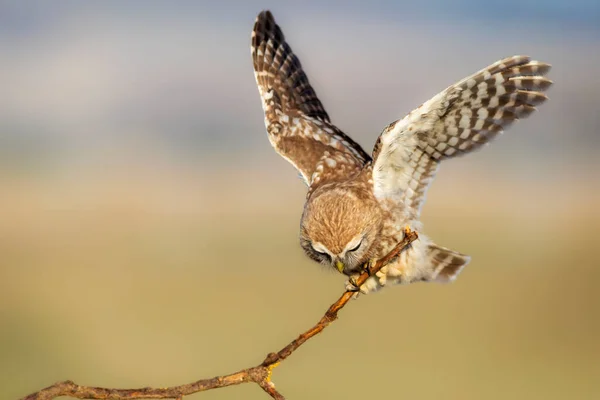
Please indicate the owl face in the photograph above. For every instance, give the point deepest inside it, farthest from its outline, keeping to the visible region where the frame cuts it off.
(339, 227)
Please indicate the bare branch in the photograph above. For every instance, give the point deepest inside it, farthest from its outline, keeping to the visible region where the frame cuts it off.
(261, 374)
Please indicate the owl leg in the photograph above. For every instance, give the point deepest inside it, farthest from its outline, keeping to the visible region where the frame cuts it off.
(370, 265)
(351, 284)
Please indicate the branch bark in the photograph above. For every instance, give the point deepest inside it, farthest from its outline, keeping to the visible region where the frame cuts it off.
(260, 374)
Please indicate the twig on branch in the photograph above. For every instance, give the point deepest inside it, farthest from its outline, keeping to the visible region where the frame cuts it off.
(260, 374)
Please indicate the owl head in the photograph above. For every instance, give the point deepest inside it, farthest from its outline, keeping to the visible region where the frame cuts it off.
(339, 226)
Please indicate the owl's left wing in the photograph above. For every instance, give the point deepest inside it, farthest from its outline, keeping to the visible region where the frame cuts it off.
(456, 121)
(297, 123)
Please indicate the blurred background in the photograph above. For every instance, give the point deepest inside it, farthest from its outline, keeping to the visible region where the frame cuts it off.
(148, 232)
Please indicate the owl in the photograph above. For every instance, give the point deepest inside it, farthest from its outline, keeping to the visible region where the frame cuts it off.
(358, 205)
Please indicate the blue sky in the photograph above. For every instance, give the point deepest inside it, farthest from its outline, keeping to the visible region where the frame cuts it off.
(176, 76)
(25, 16)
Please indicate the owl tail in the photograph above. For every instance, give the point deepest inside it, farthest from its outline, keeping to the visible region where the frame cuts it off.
(446, 263)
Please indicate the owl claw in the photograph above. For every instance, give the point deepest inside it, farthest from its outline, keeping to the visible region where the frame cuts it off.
(369, 266)
(382, 275)
(351, 285)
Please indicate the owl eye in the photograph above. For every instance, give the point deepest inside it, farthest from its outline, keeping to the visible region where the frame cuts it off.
(356, 247)
(320, 251)
(324, 255)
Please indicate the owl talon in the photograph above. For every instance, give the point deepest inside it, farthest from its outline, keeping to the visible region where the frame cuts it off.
(352, 286)
(370, 265)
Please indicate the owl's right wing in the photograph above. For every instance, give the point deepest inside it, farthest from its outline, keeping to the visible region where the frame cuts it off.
(456, 121)
(298, 126)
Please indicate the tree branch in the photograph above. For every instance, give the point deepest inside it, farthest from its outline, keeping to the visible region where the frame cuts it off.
(260, 374)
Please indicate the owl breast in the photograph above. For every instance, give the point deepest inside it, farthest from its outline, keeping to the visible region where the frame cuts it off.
(410, 266)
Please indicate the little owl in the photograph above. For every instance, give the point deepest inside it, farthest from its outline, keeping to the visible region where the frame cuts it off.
(358, 205)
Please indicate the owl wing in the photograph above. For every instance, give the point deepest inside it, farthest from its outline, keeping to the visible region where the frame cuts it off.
(458, 120)
(298, 126)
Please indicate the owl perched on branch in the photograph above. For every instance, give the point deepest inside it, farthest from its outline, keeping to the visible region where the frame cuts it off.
(358, 205)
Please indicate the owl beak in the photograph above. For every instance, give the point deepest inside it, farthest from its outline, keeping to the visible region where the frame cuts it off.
(339, 265)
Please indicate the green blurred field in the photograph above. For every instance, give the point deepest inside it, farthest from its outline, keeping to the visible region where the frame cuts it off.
(160, 281)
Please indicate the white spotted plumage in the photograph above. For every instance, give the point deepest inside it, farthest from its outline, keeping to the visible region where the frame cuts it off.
(356, 201)
(458, 120)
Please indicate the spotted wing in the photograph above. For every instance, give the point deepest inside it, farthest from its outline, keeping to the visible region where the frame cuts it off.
(458, 120)
(298, 126)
